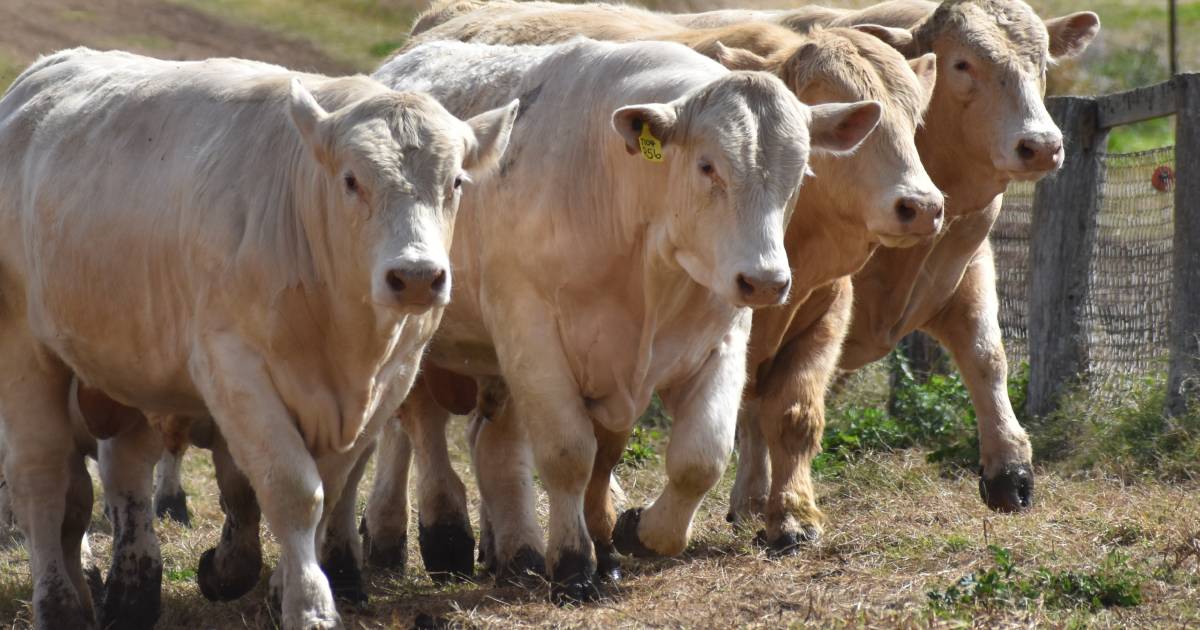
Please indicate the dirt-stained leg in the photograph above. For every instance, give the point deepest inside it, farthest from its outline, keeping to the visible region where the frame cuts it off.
(598, 502)
(342, 552)
(232, 568)
(170, 500)
(968, 325)
(444, 531)
(704, 409)
(266, 445)
(385, 524)
(41, 466)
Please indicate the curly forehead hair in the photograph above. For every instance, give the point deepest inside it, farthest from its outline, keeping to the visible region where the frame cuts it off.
(999, 30)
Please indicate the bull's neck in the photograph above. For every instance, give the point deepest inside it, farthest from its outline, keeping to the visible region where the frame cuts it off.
(820, 225)
(969, 182)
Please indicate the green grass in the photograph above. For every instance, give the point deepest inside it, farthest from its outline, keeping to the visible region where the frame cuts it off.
(356, 32)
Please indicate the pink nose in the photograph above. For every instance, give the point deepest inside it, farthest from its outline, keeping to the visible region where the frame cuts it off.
(1040, 153)
(921, 214)
(418, 285)
(764, 288)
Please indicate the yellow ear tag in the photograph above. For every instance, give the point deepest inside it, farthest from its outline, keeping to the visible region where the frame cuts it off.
(651, 146)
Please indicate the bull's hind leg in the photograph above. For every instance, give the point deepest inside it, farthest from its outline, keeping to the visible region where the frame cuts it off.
(598, 505)
(170, 500)
(133, 590)
(704, 410)
(265, 444)
(748, 499)
(45, 472)
(342, 553)
(513, 541)
(443, 520)
(969, 326)
(385, 523)
(232, 568)
(792, 420)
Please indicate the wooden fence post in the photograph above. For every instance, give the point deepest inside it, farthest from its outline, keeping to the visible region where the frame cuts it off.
(1183, 379)
(1065, 207)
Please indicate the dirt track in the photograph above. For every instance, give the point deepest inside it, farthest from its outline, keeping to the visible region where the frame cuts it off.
(29, 28)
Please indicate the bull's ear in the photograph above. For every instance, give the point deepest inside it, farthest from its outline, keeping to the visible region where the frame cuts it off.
(839, 128)
(925, 67)
(492, 131)
(1071, 34)
(898, 38)
(735, 58)
(307, 116)
(630, 120)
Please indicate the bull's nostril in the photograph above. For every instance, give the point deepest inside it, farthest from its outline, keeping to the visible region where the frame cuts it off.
(744, 285)
(905, 211)
(1025, 152)
(439, 281)
(394, 281)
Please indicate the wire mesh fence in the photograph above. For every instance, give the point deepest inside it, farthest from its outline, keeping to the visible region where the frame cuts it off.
(1128, 306)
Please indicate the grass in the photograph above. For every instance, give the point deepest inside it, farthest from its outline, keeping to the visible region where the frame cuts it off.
(359, 33)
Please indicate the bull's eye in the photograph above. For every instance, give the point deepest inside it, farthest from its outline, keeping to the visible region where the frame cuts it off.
(351, 182)
(707, 169)
(962, 66)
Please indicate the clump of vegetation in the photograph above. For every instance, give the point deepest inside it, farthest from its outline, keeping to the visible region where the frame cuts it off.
(642, 447)
(1113, 584)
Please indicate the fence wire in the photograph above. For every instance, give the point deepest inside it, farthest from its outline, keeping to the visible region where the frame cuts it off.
(1128, 308)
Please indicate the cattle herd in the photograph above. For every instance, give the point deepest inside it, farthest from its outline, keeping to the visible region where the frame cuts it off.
(536, 214)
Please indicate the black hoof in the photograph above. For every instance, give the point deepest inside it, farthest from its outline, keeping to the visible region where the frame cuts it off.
(173, 507)
(224, 588)
(389, 555)
(573, 581)
(788, 543)
(345, 576)
(133, 601)
(1009, 491)
(625, 535)
(448, 550)
(526, 569)
(608, 564)
(60, 607)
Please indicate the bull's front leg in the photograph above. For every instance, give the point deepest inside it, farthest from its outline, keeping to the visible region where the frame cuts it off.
(232, 568)
(751, 485)
(444, 530)
(792, 421)
(133, 590)
(969, 327)
(704, 410)
(267, 447)
(598, 501)
(384, 526)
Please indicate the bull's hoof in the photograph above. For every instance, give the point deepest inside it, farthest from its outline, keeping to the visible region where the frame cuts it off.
(133, 601)
(389, 555)
(1009, 491)
(448, 550)
(59, 607)
(174, 507)
(345, 576)
(572, 582)
(526, 568)
(227, 585)
(608, 564)
(787, 543)
(625, 535)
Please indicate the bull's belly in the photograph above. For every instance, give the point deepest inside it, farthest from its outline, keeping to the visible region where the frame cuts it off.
(140, 364)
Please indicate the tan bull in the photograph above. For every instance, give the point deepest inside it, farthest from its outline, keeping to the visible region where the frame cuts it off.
(879, 195)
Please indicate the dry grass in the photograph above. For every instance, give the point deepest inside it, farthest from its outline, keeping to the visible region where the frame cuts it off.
(897, 529)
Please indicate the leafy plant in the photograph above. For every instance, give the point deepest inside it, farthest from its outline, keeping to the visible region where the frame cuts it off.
(1113, 584)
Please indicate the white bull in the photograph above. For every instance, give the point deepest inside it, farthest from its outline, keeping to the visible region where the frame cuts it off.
(177, 235)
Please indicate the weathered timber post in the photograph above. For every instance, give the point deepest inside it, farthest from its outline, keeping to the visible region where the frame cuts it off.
(1065, 206)
(1183, 380)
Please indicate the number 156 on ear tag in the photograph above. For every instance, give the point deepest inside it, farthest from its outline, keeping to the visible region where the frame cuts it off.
(651, 146)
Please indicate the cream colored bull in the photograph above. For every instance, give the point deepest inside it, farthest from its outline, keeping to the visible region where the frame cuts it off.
(177, 235)
(879, 195)
(641, 208)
